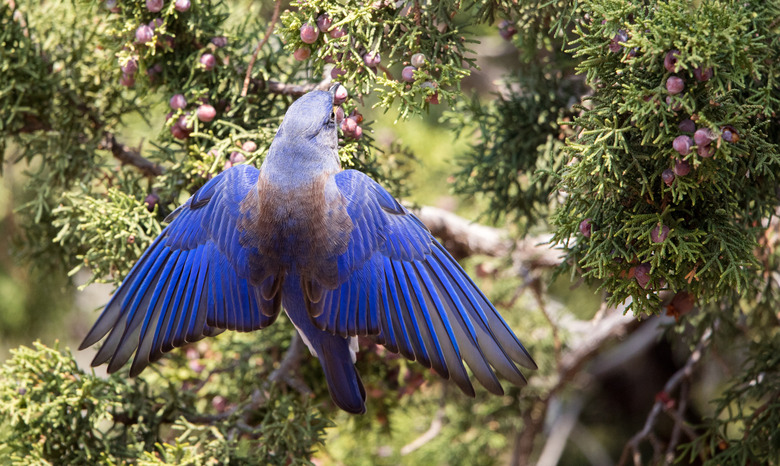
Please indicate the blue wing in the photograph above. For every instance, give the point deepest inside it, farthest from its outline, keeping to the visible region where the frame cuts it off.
(402, 287)
(195, 280)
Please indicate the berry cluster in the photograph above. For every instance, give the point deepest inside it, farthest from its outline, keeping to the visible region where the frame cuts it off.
(703, 137)
(149, 39)
(236, 157)
(350, 125)
(182, 127)
(323, 29)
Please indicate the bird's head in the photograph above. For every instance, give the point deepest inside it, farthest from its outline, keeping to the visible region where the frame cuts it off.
(312, 118)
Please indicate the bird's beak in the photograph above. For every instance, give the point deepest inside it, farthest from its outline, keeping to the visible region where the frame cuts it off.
(333, 88)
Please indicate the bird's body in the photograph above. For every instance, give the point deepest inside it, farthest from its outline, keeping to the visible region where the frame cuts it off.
(332, 247)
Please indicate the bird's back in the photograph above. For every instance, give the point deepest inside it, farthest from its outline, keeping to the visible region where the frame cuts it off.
(297, 223)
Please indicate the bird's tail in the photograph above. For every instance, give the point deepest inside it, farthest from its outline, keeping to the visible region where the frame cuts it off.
(334, 352)
(344, 382)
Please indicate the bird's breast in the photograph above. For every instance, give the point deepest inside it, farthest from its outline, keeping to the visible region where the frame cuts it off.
(298, 227)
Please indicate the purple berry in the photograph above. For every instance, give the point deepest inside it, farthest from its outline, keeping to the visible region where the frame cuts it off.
(208, 61)
(155, 23)
(687, 126)
(338, 32)
(668, 177)
(340, 96)
(131, 67)
(219, 41)
(127, 80)
(324, 22)
(702, 75)
(143, 34)
(357, 116)
(586, 227)
(154, 71)
(183, 123)
(682, 167)
(614, 44)
(659, 233)
(182, 5)
(219, 403)
(336, 72)
(682, 144)
(418, 60)
(348, 126)
(110, 4)
(206, 113)
(151, 201)
(168, 41)
(178, 102)
(506, 29)
(408, 74)
(237, 157)
(154, 5)
(675, 85)
(372, 59)
(729, 134)
(703, 136)
(309, 33)
(706, 151)
(179, 133)
(358, 133)
(642, 274)
(670, 60)
(249, 146)
(432, 98)
(674, 104)
(302, 54)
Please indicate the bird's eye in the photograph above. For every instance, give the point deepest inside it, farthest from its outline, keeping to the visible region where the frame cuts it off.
(333, 115)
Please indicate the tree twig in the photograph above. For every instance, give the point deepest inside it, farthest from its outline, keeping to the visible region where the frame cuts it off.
(129, 156)
(268, 31)
(632, 447)
(433, 431)
(284, 373)
(290, 362)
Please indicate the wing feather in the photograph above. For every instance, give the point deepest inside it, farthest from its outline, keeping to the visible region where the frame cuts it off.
(193, 281)
(399, 285)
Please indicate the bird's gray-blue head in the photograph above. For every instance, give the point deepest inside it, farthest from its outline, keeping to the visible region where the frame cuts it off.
(311, 119)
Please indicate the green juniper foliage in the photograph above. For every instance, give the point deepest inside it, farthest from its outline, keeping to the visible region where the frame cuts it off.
(589, 135)
(54, 413)
(714, 209)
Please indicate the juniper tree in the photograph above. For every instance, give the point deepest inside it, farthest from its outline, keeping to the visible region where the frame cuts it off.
(642, 134)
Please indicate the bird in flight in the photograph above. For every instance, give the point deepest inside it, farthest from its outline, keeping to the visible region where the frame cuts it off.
(331, 247)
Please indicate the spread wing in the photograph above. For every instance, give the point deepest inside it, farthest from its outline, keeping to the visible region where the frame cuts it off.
(402, 287)
(192, 282)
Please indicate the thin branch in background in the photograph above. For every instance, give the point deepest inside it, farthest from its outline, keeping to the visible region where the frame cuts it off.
(678, 416)
(268, 31)
(286, 371)
(632, 447)
(537, 292)
(560, 431)
(590, 446)
(433, 431)
(129, 156)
